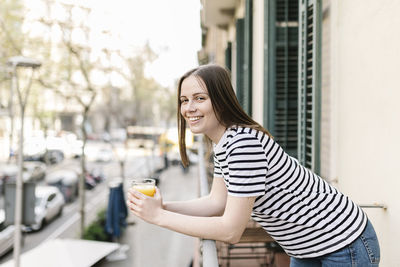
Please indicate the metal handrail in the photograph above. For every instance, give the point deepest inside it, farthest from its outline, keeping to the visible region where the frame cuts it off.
(209, 249)
(374, 205)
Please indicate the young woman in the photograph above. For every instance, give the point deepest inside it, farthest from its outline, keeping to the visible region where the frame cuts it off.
(311, 220)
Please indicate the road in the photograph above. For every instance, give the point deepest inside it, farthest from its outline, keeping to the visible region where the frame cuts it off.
(151, 245)
(138, 162)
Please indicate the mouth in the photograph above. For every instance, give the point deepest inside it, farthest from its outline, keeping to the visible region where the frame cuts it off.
(193, 119)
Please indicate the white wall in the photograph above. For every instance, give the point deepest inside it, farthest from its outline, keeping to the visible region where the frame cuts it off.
(366, 81)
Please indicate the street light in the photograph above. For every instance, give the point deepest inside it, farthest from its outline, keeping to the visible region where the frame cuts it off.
(21, 61)
(14, 63)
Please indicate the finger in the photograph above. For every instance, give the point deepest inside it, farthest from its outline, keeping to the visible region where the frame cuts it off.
(135, 193)
(134, 207)
(158, 192)
(136, 201)
(131, 206)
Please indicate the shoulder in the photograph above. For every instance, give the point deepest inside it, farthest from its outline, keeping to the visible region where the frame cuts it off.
(244, 134)
(240, 137)
(243, 137)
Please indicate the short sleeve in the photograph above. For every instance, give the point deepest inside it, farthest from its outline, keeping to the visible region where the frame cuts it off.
(217, 168)
(247, 165)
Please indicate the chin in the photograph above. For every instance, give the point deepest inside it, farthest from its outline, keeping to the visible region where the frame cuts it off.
(195, 131)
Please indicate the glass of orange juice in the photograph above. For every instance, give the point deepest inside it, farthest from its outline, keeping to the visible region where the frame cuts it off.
(145, 186)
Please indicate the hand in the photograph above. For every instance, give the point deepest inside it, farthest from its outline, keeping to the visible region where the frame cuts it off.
(145, 207)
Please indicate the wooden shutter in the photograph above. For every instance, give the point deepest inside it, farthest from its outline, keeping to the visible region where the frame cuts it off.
(281, 72)
(309, 83)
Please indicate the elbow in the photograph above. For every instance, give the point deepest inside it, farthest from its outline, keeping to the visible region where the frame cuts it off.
(232, 238)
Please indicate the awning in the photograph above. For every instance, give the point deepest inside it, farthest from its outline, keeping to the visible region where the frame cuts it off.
(65, 253)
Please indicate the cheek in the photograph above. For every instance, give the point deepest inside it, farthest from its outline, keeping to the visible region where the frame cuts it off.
(182, 109)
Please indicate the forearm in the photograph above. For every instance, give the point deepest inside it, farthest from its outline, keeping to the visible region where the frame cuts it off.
(214, 228)
(228, 227)
(203, 207)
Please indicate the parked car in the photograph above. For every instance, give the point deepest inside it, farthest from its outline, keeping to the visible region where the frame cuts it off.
(66, 181)
(6, 235)
(49, 204)
(35, 169)
(104, 154)
(98, 152)
(49, 150)
(92, 178)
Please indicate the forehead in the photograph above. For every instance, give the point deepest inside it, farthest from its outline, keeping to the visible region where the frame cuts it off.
(193, 85)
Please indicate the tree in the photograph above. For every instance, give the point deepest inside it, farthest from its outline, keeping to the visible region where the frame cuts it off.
(74, 82)
(11, 36)
(144, 90)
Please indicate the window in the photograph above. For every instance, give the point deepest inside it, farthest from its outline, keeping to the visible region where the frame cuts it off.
(281, 72)
(51, 197)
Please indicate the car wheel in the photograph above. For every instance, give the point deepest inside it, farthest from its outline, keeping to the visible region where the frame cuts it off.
(60, 212)
(38, 226)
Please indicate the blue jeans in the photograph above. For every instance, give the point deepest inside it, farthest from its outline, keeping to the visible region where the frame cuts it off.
(363, 252)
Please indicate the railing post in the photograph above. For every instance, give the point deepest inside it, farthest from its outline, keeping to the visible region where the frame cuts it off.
(209, 249)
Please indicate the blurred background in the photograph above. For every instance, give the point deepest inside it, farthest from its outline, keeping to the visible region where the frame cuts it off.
(88, 93)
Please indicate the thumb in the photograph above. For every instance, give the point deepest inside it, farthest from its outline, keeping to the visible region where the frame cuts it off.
(158, 193)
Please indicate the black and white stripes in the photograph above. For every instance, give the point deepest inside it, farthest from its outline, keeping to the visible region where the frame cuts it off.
(302, 212)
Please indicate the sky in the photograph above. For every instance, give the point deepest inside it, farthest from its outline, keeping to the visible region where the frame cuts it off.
(172, 27)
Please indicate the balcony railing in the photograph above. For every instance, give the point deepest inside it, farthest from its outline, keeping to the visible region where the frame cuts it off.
(209, 249)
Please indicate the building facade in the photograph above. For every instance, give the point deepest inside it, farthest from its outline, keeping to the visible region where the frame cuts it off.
(320, 75)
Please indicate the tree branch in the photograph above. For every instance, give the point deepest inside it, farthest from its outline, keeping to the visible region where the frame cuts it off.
(9, 37)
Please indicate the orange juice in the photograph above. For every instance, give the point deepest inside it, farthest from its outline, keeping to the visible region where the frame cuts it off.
(145, 186)
(148, 190)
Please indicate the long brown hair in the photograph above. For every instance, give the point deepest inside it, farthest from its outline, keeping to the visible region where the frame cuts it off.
(226, 107)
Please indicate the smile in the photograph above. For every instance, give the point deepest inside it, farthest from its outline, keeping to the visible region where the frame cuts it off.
(194, 118)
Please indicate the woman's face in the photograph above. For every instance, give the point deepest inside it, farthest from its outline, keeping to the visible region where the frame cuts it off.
(197, 109)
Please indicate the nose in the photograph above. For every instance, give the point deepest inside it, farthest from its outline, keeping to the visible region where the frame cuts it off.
(190, 106)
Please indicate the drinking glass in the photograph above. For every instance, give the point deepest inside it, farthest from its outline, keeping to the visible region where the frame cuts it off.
(146, 186)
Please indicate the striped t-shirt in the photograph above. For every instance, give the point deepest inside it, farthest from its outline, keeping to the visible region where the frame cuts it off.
(302, 212)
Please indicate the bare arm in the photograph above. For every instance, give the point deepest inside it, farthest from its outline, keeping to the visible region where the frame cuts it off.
(227, 227)
(210, 205)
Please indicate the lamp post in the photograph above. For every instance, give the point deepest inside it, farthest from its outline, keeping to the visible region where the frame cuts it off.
(14, 63)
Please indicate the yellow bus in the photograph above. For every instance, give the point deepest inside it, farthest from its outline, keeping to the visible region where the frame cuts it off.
(143, 136)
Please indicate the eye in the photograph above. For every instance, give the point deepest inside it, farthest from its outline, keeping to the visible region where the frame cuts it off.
(200, 98)
(183, 100)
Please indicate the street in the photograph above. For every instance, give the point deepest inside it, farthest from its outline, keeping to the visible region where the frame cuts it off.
(151, 245)
(138, 163)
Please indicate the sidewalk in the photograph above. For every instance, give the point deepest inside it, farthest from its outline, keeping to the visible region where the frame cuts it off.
(151, 245)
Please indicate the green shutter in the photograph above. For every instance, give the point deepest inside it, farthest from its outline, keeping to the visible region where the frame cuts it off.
(248, 54)
(244, 29)
(309, 83)
(228, 56)
(240, 61)
(281, 72)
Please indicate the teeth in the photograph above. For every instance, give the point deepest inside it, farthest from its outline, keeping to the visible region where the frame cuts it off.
(194, 118)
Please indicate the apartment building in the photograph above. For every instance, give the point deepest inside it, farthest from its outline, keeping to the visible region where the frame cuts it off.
(322, 77)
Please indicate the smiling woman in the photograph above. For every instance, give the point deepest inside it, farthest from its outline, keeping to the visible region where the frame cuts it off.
(254, 177)
(197, 109)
